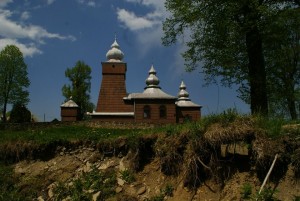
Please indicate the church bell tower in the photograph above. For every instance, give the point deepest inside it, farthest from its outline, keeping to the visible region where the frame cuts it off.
(113, 86)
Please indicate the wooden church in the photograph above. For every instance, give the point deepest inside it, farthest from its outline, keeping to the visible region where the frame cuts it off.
(153, 105)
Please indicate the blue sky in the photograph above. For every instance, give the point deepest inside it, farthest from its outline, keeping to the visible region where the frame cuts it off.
(54, 34)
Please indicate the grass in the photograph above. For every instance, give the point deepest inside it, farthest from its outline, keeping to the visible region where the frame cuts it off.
(272, 127)
(65, 133)
(8, 188)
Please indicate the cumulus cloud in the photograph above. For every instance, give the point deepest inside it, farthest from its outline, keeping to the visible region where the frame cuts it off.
(25, 15)
(3, 3)
(133, 22)
(147, 26)
(90, 3)
(12, 31)
(27, 50)
(148, 29)
(50, 2)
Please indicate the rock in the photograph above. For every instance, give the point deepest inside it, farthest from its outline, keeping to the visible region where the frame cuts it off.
(40, 198)
(96, 195)
(119, 189)
(120, 181)
(67, 199)
(122, 165)
(50, 192)
(141, 190)
(87, 167)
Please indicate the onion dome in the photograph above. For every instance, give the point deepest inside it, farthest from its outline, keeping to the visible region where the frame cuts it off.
(183, 94)
(152, 81)
(114, 54)
(183, 98)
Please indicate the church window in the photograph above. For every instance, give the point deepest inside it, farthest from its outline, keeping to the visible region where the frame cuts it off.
(162, 111)
(147, 112)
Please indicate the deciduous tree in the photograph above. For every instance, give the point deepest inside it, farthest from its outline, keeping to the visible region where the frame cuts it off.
(80, 87)
(13, 78)
(283, 61)
(227, 37)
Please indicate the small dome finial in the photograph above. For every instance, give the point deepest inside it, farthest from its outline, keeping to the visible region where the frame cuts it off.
(115, 54)
(183, 94)
(152, 81)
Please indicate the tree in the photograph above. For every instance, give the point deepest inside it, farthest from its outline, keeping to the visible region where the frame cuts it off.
(80, 77)
(13, 78)
(227, 36)
(20, 114)
(283, 61)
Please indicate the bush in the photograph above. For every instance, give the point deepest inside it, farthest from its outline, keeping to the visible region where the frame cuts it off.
(20, 114)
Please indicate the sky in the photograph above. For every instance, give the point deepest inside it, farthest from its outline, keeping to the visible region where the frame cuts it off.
(54, 34)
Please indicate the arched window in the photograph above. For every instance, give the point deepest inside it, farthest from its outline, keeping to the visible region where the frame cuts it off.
(162, 111)
(147, 112)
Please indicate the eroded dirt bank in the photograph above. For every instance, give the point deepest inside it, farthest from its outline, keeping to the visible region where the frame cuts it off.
(222, 162)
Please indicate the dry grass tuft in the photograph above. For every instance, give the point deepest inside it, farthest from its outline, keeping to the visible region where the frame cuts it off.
(239, 130)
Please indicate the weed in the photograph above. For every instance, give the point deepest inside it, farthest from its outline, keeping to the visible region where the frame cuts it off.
(83, 187)
(296, 198)
(8, 188)
(127, 176)
(246, 191)
(168, 190)
(159, 197)
(267, 194)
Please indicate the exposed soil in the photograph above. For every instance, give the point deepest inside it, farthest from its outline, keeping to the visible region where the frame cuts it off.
(69, 164)
(226, 161)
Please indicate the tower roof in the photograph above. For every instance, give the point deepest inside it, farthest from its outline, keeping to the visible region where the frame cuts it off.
(69, 103)
(114, 54)
(183, 97)
(152, 90)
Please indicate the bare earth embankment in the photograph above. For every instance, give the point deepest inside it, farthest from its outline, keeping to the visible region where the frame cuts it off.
(217, 161)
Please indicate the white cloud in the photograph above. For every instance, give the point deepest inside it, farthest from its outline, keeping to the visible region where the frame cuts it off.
(3, 3)
(25, 15)
(13, 32)
(90, 3)
(27, 50)
(148, 26)
(133, 22)
(11, 29)
(50, 2)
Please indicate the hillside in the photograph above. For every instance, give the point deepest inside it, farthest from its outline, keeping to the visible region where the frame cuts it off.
(224, 157)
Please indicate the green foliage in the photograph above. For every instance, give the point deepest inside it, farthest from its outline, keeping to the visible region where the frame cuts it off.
(267, 194)
(8, 188)
(224, 118)
(246, 191)
(167, 191)
(20, 114)
(127, 176)
(159, 197)
(282, 59)
(13, 78)
(296, 198)
(65, 133)
(228, 39)
(80, 88)
(272, 126)
(89, 183)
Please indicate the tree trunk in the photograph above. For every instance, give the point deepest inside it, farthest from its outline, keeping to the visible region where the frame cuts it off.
(292, 105)
(4, 112)
(257, 72)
